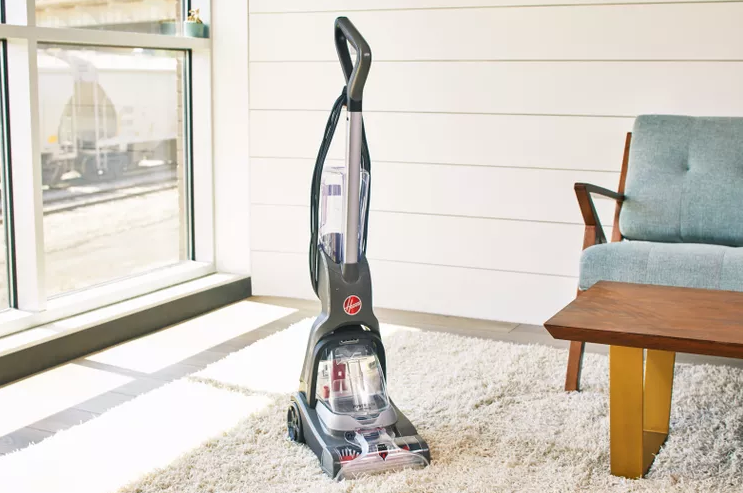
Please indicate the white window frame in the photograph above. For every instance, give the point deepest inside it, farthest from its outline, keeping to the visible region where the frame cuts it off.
(22, 37)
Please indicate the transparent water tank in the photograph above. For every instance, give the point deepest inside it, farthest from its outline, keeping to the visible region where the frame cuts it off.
(350, 381)
(332, 210)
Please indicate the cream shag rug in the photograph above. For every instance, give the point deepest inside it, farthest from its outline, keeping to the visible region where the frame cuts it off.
(494, 416)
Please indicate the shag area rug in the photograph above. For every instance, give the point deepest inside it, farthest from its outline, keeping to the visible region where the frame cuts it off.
(494, 414)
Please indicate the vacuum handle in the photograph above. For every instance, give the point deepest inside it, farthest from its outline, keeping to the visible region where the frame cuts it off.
(346, 32)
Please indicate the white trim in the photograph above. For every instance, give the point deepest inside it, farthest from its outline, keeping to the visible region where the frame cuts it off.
(103, 38)
(9, 318)
(230, 88)
(202, 175)
(83, 301)
(25, 166)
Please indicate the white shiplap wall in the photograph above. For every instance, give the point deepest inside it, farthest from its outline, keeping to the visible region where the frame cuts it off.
(480, 116)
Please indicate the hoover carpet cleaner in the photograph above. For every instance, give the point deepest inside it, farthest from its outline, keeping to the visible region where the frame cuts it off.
(342, 410)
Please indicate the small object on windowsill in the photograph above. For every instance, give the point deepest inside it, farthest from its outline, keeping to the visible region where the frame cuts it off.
(194, 27)
(193, 16)
(168, 27)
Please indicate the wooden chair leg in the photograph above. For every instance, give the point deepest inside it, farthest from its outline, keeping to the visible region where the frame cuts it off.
(575, 363)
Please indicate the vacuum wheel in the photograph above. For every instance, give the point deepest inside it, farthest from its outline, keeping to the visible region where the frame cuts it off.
(294, 424)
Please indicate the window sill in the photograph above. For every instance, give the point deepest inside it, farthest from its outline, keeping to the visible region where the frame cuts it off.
(113, 296)
(67, 339)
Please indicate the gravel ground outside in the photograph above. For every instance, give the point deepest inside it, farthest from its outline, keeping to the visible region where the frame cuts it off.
(102, 242)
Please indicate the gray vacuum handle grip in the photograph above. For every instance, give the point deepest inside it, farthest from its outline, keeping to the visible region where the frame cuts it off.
(346, 32)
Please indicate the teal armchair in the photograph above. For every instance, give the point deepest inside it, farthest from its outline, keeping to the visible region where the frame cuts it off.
(679, 212)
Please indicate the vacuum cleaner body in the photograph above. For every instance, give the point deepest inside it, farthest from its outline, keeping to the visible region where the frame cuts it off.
(346, 417)
(342, 410)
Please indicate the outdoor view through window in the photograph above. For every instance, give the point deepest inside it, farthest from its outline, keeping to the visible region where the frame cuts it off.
(112, 157)
(144, 16)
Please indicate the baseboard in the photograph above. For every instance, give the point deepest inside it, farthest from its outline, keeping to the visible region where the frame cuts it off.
(68, 346)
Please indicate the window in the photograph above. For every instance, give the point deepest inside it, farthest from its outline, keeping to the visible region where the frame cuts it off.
(108, 119)
(112, 156)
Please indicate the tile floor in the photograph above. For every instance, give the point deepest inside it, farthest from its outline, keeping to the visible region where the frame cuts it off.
(38, 407)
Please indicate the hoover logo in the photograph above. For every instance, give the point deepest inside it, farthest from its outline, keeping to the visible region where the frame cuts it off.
(352, 305)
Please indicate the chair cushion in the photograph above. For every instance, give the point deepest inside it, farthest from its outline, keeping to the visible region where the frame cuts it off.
(685, 180)
(669, 264)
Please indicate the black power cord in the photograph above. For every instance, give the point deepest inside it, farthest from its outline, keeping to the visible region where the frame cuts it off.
(327, 140)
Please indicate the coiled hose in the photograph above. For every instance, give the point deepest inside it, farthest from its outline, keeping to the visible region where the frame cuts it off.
(327, 140)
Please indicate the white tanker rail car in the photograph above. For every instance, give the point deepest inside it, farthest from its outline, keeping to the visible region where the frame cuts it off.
(103, 115)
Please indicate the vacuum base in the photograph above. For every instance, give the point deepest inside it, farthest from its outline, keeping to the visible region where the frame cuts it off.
(360, 452)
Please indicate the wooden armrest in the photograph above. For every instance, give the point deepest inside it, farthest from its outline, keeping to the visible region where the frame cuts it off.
(589, 188)
(594, 231)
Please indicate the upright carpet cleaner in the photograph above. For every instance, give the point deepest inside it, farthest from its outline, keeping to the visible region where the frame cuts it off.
(342, 410)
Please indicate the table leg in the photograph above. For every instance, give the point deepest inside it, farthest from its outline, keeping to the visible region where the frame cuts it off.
(625, 410)
(639, 407)
(657, 408)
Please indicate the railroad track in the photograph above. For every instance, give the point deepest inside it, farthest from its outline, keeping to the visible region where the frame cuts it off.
(92, 198)
(83, 195)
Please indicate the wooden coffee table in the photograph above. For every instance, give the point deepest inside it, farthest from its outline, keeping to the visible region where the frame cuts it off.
(633, 318)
